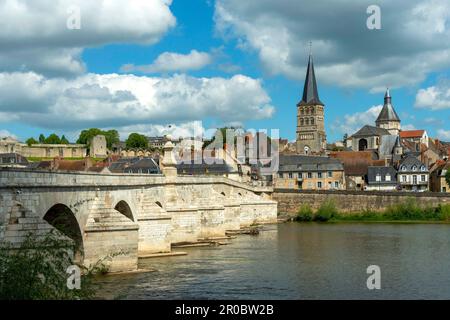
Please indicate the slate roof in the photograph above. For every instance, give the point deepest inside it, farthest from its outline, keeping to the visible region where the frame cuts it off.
(372, 173)
(207, 166)
(300, 163)
(409, 162)
(144, 165)
(369, 131)
(387, 112)
(310, 92)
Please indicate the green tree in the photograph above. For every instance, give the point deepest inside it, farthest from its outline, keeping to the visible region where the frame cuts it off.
(87, 135)
(31, 141)
(53, 139)
(64, 140)
(136, 140)
(41, 138)
(112, 136)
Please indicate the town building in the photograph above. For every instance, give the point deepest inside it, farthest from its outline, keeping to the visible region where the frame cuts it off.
(13, 160)
(309, 173)
(143, 166)
(356, 164)
(416, 137)
(311, 136)
(367, 138)
(10, 145)
(371, 137)
(437, 177)
(413, 175)
(381, 178)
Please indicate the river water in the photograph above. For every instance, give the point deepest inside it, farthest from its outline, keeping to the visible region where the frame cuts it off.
(301, 261)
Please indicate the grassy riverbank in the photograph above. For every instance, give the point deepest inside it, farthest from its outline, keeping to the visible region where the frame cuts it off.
(408, 211)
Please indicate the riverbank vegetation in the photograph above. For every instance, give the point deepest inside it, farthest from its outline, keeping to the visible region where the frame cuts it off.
(409, 210)
(38, 270)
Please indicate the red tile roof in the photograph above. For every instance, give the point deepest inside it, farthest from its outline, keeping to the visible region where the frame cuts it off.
(411, 133)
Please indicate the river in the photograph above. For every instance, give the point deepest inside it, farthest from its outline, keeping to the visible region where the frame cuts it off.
(301, 261)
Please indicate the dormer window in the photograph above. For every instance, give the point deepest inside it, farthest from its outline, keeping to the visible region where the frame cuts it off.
(378, 177)
(403, 168)
(422, 168)
(388, 177)
(414, 168)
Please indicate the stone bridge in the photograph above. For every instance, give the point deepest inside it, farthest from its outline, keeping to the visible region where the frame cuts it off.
(132, 214)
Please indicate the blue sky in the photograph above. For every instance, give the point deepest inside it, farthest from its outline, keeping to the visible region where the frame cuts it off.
(261, 41)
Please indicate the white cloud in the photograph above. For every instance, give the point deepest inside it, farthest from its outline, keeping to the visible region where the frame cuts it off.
(444, 134)
(6, 133)
(186, 129)
(113, 100)
(171, 61)
(35, 37)
(412, 43)
(353, 122)
(434, 97)
(409, 127)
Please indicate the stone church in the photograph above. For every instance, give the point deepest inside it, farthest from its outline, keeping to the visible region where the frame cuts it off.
(387, 128)
(311, 137)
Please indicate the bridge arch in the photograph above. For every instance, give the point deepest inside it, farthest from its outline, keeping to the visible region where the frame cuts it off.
(123, 207)
(63, 219)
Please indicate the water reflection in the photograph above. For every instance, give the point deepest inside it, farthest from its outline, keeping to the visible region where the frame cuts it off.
(301, 261)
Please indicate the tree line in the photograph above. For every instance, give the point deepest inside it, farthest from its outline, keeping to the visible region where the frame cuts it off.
(134, 140)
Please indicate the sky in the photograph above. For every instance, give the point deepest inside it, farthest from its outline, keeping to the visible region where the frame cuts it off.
(185, 67)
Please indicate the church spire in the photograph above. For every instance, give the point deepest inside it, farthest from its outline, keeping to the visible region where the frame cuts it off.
(310, 92)
(387, 112)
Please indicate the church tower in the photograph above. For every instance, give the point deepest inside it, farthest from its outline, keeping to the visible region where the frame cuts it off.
(388, 118)
(311, 137)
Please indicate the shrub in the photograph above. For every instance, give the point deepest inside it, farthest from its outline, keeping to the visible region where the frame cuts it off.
(305, 214)
(326, 211)
(36, 270)
(444, 212)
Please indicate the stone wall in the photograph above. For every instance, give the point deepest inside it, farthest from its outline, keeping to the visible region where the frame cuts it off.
(289, 201)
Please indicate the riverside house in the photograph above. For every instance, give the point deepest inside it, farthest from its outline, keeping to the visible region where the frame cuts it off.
(309, 173)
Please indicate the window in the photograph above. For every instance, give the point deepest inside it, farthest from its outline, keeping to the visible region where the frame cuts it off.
(300, 175)
(388, 177)
(414, 179)
(319, 175)
(336, 184)
(312, 121)
(330, 174)
(403, 178)
(422, 168)
(319, 185)
(290, 175)
(403, 168)
(423, 178)
(309, 175)
(378, 177)
(280, 175)
(414, 168)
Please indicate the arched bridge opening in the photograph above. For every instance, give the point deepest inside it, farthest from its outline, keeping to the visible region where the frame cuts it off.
(124, 208)
(63, 219)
